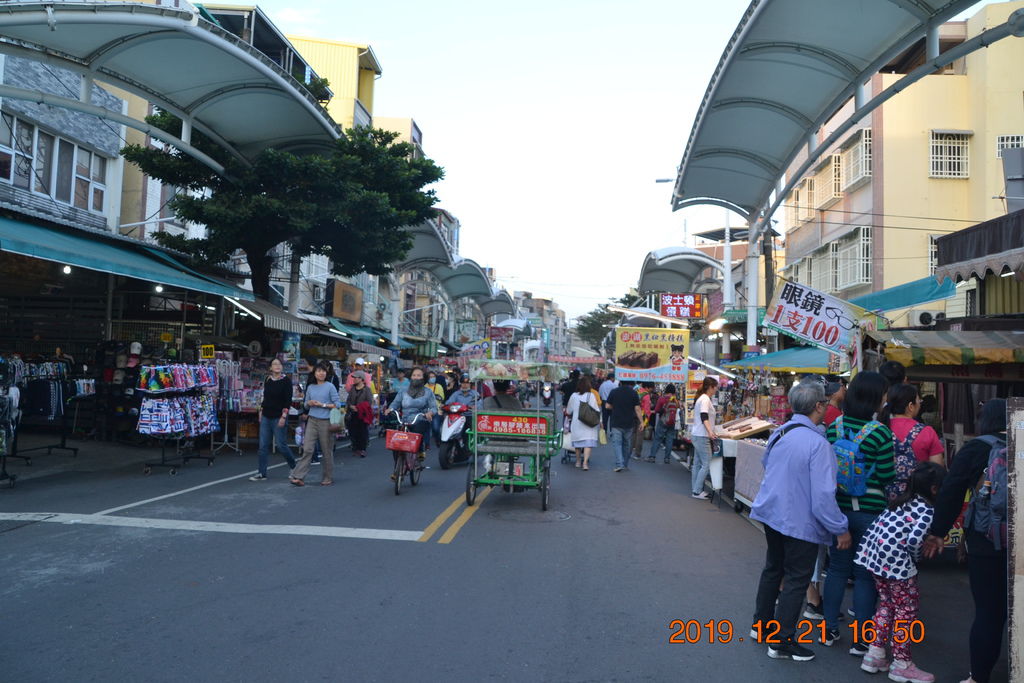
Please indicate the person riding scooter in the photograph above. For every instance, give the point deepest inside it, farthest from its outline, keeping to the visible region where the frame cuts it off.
(459, 409)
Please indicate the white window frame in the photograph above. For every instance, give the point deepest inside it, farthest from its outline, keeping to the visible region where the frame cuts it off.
(1008, 142)
(828, 182)
(949, 154)
(49, 184)
(857, 161)
(933, 254)
(853, 259)
(806, 210)
(823, 268)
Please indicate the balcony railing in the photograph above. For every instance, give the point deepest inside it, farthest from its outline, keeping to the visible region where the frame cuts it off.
(360, 116)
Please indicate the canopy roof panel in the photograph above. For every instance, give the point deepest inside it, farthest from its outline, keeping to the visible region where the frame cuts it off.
(788, 67)
(674, 269)
(918, 347)
(796, 359)
(180, 62)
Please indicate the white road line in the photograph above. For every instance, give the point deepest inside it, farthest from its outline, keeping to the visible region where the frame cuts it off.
(201, 486)
(221, 527)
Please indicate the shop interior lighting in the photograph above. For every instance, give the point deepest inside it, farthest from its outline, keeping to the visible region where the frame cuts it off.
(242, 308)
(210, 308)
(709, 366)
(442, 350)
(1006, 274)
(382, 359)
(158, 289)
(67, 270)
(717, 324)
(340, 334)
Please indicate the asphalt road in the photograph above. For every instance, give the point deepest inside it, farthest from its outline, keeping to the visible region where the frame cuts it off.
(242, 581)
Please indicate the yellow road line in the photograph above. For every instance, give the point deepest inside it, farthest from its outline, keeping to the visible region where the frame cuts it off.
(464, 517)
(441, 519)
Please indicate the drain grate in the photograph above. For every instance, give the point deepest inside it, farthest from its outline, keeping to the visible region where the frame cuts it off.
(530, 516)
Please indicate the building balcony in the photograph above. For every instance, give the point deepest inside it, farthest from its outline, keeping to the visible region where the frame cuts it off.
(360, 115)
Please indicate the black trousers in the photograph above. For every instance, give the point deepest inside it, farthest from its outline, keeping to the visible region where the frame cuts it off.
(789, 562)
(988, 587)
(359, 433)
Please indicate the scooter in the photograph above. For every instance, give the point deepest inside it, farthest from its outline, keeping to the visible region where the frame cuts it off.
(547, 393)
(453, 449)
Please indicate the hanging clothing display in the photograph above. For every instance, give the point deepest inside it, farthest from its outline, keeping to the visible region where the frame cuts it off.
(178, 416)
(161, 379)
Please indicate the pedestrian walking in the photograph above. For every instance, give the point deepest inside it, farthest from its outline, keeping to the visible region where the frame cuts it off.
(890, 550)
(604, 390)
(664, 415)
(321, 398)
(702, 433)
(359, 414)
(584, 437)
(987, 564)
(623, 406)
(797, 506)
(277, 400)
(856, 437)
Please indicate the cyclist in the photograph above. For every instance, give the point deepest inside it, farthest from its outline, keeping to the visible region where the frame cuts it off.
(418, 398)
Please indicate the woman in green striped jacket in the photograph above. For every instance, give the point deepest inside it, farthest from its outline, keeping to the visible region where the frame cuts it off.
(864, 399)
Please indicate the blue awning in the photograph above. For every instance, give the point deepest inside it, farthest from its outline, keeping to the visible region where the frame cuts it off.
(355, 331)
(906, 295)
(797, 359)
(86, 250)
(402, 344)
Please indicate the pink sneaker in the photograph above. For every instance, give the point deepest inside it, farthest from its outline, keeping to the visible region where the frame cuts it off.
(907, 672)
(874, 661)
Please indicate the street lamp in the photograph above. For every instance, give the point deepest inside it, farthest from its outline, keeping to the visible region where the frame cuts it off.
(717, 324)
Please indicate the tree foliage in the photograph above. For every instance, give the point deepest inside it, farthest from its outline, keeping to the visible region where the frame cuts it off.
(592, 327)
(351, 203)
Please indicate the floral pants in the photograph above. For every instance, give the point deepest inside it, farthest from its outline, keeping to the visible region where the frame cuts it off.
(898, 600)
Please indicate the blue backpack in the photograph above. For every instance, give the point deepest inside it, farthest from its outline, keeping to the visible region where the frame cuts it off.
(987, 510)
(854, 473)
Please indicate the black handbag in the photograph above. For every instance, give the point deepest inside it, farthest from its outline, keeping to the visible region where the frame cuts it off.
(587, 414)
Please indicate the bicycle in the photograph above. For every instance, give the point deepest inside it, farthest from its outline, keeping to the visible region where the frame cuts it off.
(405, 447)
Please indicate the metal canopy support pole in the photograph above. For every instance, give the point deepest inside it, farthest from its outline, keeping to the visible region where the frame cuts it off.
(109, 331)
(751, 273)
(395, 302)
(728, 297)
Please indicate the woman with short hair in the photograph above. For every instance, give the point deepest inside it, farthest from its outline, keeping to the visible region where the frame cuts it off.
(321, 398)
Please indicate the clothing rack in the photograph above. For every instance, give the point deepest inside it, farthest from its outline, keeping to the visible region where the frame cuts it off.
(7, 411)
(61, 445)
(171, 383)
(216, 447)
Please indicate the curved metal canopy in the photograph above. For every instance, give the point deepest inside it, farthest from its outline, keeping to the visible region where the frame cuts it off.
(674, 269)
(175, 59)
(789, 66)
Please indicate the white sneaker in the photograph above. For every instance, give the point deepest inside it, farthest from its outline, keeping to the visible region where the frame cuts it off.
(258, 477)
(699, 496)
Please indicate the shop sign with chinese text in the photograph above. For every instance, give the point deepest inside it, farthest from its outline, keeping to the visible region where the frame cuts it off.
(651, 354)
(511, 425)
(816, 317)
(682, 305)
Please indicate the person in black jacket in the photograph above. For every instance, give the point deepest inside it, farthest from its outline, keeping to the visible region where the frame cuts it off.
(986, 566)
(277, 400)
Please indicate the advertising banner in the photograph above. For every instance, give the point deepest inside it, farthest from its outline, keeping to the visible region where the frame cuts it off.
(515, 370)
(578, 360)
(501, 334)
(651, 354)
(682, 305)
(518, 425)
(816, 317)
(480, 348)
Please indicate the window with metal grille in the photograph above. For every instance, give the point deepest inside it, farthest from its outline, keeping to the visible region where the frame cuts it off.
(1008, 142)
(793, 208)
(828, 182)
(856, 162)
(853, 259)
(823, 269)
(933, 254)
(949, 155)
(806, 210)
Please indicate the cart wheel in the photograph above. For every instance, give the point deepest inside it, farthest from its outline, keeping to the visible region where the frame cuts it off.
(399, 472)
(545, 486)
(174, 471)
(470, 487)
(147, 469)
(738, 507)
(414, 474)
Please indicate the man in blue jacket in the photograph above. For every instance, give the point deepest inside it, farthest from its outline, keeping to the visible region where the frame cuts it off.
(797, 506)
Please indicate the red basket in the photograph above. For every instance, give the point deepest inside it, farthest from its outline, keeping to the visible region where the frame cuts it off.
(407, 442)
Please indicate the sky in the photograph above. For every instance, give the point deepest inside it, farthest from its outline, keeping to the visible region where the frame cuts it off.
(552, 120)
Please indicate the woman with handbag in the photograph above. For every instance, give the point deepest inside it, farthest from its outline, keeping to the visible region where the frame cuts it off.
(586, 424)
(359, 403)
(321, 398)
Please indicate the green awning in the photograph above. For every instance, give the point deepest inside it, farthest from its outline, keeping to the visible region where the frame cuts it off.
(355, 331)
(906, 295)
(93, 252)
(739, 315)
(402, 344)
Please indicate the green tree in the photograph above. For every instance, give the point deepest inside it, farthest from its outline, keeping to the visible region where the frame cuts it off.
(351, 203)
(592, 327)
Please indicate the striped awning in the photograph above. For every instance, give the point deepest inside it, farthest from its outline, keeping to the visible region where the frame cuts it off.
(274, 318)
(804, 359)
(915, 347)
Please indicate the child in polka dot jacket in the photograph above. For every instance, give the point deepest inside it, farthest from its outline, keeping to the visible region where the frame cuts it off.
(890, 550)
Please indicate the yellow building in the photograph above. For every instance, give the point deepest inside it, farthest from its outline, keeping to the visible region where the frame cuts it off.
(926, 163)
(352, 71)
(407, 131)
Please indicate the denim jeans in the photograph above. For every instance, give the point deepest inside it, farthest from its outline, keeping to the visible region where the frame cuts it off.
(622, 442)
(841, 568)
(271, 431)
(701, 463)
(663, 438)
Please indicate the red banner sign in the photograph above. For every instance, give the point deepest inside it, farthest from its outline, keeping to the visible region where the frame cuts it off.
(513, 425)
(501, 334)
(682, 305)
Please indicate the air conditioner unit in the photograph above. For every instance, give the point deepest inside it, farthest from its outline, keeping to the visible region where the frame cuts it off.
(920, 317)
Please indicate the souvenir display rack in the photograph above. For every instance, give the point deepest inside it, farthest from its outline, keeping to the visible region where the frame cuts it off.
(179, 406)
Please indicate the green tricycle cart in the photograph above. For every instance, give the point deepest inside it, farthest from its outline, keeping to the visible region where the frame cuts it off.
(513, 448)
